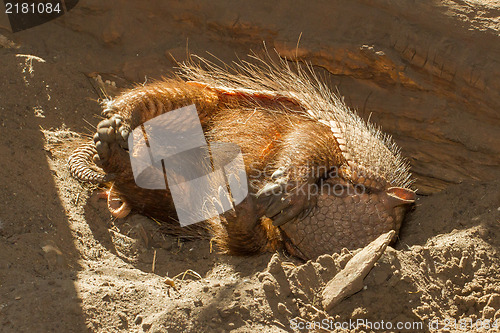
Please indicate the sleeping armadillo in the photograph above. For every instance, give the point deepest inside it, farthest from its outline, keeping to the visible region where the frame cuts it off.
(319, 177)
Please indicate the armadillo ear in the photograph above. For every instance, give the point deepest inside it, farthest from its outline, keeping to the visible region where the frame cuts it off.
(263, 98)
(397, 196)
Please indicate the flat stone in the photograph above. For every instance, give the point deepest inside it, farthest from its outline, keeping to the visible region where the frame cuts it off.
(350, 280)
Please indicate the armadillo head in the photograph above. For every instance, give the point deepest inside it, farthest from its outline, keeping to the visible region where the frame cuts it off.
(346, 215)
(367, 197)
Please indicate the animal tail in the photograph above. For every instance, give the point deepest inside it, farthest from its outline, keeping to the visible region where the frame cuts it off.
(80, 165)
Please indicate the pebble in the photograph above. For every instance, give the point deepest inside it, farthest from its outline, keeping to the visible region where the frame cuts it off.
(274, 265)
(268, 286)
(283, 309)
(488, 312)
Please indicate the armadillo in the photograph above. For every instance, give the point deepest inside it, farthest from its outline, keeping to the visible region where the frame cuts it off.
(320, 178)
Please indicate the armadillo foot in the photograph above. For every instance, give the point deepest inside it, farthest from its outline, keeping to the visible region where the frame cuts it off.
(283, 201)
(109, 131)
(287, 207)
(118, 207)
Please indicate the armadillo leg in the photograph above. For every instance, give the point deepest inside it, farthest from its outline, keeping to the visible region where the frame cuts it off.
(292, 189)
(240, 231)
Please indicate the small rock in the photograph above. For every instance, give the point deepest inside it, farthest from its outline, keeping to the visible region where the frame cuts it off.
(343, 259)
(423, 267)
(274, 265)
(417, 248)
(350, 279)
(326, 261)
(262, 275)
(123, 320)
(228, 310)
(488, 312)
(53, 255)
(268, 286)
(497, 315)
(138, 320)
(494, 301)
(283, 309)
(466, 260)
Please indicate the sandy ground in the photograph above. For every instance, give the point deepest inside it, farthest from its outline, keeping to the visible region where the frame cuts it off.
(67, 266)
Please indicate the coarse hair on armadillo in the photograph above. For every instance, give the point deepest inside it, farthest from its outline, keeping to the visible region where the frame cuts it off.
(361, 142)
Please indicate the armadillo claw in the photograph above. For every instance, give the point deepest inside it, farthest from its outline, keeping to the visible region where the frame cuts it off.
(277, 205)
(269, 189)
(278, 173)
(290, 208)
(282, 202)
